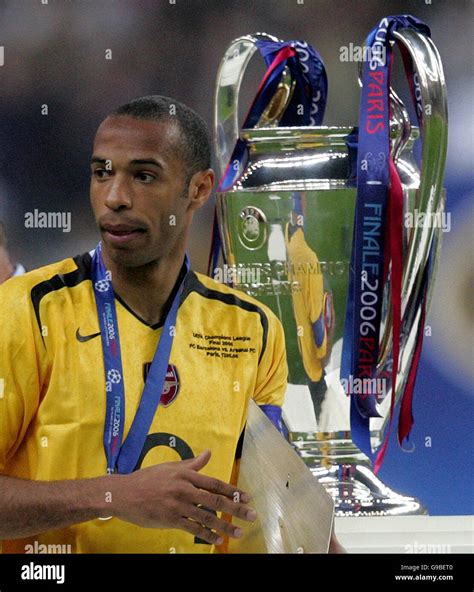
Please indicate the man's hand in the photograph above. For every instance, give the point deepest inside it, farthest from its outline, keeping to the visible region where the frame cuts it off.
(175, 495)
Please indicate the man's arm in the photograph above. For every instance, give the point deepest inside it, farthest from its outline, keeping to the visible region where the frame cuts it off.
(168, 495)
(30, 507)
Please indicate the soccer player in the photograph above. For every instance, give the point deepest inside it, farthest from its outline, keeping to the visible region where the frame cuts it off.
(126, 376)
(78, 341)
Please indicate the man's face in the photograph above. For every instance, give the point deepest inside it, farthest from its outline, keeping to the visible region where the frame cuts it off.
(138, 189)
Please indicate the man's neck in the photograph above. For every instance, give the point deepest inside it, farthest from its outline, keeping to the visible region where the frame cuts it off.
(145, 290)
(6, 267)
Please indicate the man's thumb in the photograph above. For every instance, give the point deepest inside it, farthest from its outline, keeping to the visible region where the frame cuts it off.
(200, 461)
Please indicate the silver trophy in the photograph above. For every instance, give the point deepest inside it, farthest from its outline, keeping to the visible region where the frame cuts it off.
(293, 171)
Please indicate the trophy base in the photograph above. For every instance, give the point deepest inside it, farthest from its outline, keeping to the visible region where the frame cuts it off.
(347, 475)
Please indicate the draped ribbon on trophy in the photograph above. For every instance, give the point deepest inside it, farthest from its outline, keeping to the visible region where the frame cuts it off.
(305, 107)
(377, 243)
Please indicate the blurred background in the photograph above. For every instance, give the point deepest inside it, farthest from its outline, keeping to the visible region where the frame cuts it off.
(55, 54)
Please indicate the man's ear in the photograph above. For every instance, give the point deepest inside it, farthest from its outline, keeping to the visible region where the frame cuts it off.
(200, 188)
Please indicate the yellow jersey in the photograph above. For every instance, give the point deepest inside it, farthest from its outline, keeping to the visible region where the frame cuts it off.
(227, 349)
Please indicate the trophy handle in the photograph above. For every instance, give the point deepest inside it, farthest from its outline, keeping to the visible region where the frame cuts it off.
(226, 100)
(430, 93)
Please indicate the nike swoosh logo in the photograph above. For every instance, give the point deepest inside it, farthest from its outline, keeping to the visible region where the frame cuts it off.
(83, 338)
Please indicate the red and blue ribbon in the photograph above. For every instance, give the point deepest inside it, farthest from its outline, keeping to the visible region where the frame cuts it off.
(306, 107)
(377, 240)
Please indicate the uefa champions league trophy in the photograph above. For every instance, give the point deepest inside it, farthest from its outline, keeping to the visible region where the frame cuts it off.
(301, 269)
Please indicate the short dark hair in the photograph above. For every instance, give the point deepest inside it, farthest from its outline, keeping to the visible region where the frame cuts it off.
(194, 143)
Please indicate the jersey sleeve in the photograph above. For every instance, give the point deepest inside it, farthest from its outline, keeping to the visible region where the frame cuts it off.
(19, 366)
(272, 374)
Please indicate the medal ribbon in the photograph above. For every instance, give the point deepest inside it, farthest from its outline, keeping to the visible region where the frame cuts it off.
(123, 457)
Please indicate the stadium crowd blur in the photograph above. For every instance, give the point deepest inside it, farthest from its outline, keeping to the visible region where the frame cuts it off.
(55, 55)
